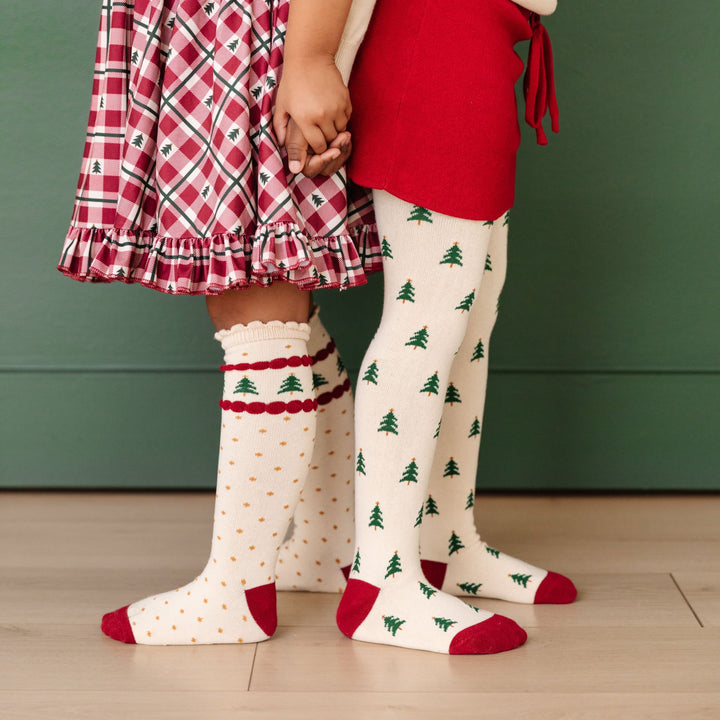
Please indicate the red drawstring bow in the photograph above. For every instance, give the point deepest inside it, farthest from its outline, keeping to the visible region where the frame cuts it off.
(539, 83)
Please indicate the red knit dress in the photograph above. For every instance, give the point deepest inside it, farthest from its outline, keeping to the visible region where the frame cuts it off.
(435, 119)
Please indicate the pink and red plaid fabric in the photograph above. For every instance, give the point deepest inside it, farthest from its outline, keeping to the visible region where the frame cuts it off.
(182, 186)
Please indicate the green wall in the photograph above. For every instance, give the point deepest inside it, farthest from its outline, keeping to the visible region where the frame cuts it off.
(605, 360)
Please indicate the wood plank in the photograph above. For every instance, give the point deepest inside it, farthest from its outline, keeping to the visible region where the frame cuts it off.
(702, 591)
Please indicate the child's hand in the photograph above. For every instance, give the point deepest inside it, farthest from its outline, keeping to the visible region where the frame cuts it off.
(312, 93)
(301, 156)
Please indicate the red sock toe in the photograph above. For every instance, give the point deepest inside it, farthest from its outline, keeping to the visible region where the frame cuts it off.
(117, 626)
(494, 635)
(555, 589)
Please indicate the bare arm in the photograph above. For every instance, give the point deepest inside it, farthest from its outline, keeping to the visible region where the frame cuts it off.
(541, 7)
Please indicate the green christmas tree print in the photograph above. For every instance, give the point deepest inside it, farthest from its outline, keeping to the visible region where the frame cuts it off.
(431, 507)
(427, 591)
(451, 468)
(392, 624)
(371, 373)
(474, 428)
(389, 424)
(466, 302)
(233, 45)
(209, 7)
(507, 218)
(407, 292)
(264, 177)
(166, 149)
(234, 134)
(340, 364)
(376, 518)
(469, 588)
(431, 385)
(96, 168)
(410, 473)
(418, 520)
(444, 623)
(420, 214)
(134, 57)
(138, 140)
(290, 385)
(437, 429)
(488, 263)
(452, 395)
(317, 200)
(393, 567)
(419, 339)
(318, 380)
(455, 544)
(356, 564)
(360, 465)
(256, 91)
(492, 551)
(478, 352)
(270, 82)
(452, 256)
(385, 249)
(205, 192)
(488, 223)
(470, 503)
(520, 579)
(246, 386)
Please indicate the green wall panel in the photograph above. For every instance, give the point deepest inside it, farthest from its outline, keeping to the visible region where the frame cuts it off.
(612, 276)
(549, 431)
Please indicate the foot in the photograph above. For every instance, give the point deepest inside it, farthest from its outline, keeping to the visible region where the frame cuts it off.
(413, 614)
(482, 571)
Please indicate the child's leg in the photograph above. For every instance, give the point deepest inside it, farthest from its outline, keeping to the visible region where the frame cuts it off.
(433, 267)
(266, 442)
(318, 555)
(476, 569)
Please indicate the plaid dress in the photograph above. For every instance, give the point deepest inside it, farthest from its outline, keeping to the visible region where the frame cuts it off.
(182, 186)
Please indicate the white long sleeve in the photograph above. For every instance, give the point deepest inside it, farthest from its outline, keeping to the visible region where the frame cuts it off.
(358, 20)
(541, 7)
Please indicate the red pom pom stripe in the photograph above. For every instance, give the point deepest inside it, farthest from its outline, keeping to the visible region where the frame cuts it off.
(334, 394)
(272, 408)
(276, 364)
(321, 355)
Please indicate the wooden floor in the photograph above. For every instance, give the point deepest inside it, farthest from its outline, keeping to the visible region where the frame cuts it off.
(642, 640)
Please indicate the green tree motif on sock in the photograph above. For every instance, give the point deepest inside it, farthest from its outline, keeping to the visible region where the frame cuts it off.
(452, 256)
(389, 424)
(290, 385)
(376, 518)
(444, 623)
(492, 551)
(470, 500)
(452, 395)
(451, 468)
(392, 624)
(407, 292)
(318, 380)
(246, 386)
(356, 564)
(418, 520)
(455, 544)
(360, 465)
(520, 579)
(469, 588)
(340, 366)
(371, 373)
(437, 430)
(420, 214)
(474, 428)
(467, 302)
(478, 352)
(488, 223)
(427, 591)
(507, 218)
(431, 385)
(488, 263)
(431, 507)
(419, 339)
(385, 249)
(393, 567)
(410, 473)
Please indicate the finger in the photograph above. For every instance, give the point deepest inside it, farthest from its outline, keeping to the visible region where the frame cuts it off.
(297, 148)
(342, 139)
(334, 165)
(280, 123)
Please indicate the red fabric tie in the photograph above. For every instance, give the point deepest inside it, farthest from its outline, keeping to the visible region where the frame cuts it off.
(539, 83)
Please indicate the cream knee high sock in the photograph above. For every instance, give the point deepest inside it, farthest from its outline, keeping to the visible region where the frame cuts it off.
(317, 557)
(266, 442)
(454, 557)
(437, 264)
